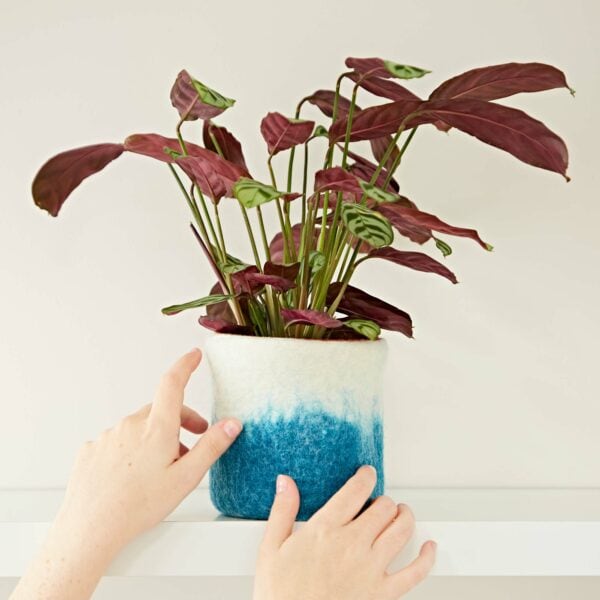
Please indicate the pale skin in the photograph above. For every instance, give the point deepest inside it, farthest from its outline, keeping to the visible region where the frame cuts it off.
(135, 474)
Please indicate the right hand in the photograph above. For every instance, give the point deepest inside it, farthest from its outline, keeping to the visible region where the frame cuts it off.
(335, 556)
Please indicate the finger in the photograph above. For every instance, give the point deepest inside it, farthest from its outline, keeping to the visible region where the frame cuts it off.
(375, 519)
(283, 513)
(395, 537)
(217, 439)
(192, 421)
(345, 504)
(169, 396)
(401, 582)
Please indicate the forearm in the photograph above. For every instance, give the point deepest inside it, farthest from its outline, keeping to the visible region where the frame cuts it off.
(69, 565)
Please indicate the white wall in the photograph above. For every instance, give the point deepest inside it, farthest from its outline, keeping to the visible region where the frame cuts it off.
(500, 386)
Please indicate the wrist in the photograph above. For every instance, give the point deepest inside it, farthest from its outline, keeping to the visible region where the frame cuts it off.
(82, 539)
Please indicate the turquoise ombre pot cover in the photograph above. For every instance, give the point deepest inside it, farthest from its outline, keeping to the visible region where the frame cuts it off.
(311, 409)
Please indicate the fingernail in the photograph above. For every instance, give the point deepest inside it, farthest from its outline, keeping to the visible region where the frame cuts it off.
(281, 484)
(370, 467)
(232, 428)
(195, 350)
(433, 544)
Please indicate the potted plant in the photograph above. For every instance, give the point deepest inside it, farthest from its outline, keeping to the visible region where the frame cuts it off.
(297, 353)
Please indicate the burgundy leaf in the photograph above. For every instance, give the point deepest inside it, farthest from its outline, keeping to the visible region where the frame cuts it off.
(242, 280)
(159, 147)
(221, 310)
(280, 284)
(291, 196)
(377, 121)
(385, 88)
(337, 179)
(324, 101)
(379, 147)
(276, 245)
(289, 272)
(369, 67)
(357, 303)
(413, 260)
(201, 172)
(309, 317)
(214, 175)
(393, 91)
(506, 128)
(365, 169)
(228, 144)
(222, 326)
(282, 133)
(411, 230)
(185, 97)
(60, 175)
(400, 215)
(501, 81)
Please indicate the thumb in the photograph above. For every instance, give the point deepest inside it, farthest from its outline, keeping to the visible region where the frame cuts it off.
(213, 443)
(283, 513)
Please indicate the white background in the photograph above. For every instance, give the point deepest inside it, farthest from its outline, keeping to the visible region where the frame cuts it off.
(500, 386)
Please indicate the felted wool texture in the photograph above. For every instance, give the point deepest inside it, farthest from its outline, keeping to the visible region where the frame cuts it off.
(311, 410)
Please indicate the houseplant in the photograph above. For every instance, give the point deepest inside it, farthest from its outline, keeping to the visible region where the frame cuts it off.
(298, 354)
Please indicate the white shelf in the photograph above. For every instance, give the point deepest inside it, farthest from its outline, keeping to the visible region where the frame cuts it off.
(480, 532)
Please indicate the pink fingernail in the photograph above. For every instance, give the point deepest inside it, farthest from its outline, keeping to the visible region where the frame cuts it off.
(232, 428)
(281, 484)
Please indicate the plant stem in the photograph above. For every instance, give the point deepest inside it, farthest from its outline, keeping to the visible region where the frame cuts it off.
(398, 158)
(226, 285)
(190, 201)
(220, 230)
(288, 244)
(250, 235)
(263, 232)
(211, 227)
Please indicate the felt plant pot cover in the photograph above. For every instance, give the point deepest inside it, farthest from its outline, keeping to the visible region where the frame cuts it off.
(311, 409)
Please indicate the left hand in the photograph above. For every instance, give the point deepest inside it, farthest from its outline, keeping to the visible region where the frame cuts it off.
(125, 482)
(135, 474)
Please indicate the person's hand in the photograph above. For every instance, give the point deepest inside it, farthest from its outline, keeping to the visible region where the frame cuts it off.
(125, 482)
(135, 474)
(335, 556)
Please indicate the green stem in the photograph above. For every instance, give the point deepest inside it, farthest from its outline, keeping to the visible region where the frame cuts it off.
(250, 235)
(288, 243)
(211, 227)
(243, 209)
(263, 232)
(398, 158)
(220, 230)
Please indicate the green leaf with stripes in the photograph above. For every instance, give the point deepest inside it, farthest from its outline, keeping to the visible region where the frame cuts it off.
(443, 247)
(316, 261)
(231, 265)
(368, 329)
(375, 193)
(404, 71)
(320, 131)
(206, 301)
(367, 225)
(253, 193)
(210, 96)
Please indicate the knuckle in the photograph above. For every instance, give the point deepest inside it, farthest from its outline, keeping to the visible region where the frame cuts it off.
(213, 444)
(418, 573)
(406, 517)
(386, 505)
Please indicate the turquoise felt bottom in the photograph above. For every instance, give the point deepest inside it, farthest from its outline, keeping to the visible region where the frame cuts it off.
(316, 449)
